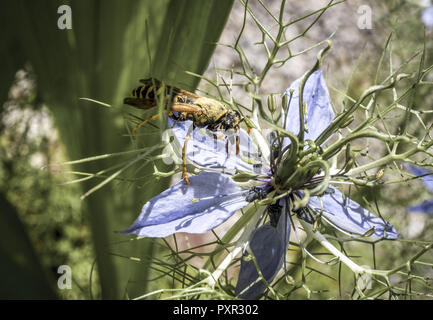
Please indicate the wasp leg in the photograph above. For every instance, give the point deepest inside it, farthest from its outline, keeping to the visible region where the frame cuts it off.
(185, 172)
(184, 107)
(155, 116)
(220, 135)
(215, 142)
(188, 94)
(237, 144)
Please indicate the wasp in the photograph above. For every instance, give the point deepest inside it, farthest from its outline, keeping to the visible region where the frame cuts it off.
(182, 105)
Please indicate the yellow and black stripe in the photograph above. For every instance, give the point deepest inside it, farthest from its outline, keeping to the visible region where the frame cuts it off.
(149, 89)
(146, 95)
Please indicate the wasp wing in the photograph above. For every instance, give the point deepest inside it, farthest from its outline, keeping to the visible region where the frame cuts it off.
(151, 81)
(140, 103)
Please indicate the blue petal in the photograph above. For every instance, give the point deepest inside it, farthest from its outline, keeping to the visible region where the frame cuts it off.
(179, 208)
(319, 108)
(425, 207)
(283, 227)
(206, 151)
(266, 245)
(269, 246)
(427, 17)
(426, 180)
(350, 216)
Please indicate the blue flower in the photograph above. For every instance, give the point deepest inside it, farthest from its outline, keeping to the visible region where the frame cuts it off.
(337, 209)
(213, 195)
(427, 17)
(427, 180)
(269, 243)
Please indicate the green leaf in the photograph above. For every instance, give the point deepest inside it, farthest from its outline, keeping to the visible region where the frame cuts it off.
(112, 44)
(21, 274)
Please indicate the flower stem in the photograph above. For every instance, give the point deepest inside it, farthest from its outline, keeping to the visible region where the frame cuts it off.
(330, 247)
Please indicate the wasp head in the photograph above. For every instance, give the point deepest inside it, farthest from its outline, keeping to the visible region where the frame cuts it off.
(232, 119)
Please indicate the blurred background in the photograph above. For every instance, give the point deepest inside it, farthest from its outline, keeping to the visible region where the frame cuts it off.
(111, 45)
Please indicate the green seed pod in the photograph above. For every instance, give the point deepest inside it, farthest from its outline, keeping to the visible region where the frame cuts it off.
(348, 121)
(349, 165)
(329, 156)
(316, 224)
(272, 104)
(369, 232)
(305, 111)
(249, 123)
(357, 149)
(359, 182)
(285, 101)
(348, 152)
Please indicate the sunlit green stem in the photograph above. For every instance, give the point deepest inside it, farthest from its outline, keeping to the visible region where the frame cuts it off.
(330, 247)
(109, 155)
(118, 172)
(388, 158)
(334, 148)
(411, 260)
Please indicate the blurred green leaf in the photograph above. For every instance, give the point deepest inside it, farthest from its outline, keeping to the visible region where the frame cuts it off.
(11, 53)
(188, 39)
(21, 275)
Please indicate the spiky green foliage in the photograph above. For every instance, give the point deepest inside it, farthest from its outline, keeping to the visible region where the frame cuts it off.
(111, 45)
